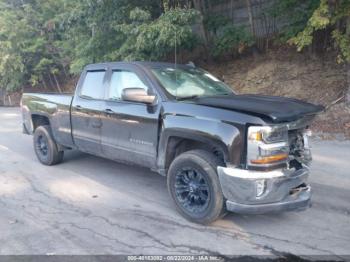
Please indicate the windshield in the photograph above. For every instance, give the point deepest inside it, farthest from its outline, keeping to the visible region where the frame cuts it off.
(190, 82)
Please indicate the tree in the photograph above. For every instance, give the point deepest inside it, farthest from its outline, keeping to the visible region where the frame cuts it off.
(250, 16)
(199, 5)
(333, 16)
(154, 40)
(43, 42)
(293, 16)
(29, 44)
(110, 30)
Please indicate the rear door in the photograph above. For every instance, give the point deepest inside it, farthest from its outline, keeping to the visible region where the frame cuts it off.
(86, 111)
(130, 129)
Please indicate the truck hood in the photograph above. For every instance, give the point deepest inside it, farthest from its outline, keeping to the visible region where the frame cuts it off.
(277, 109)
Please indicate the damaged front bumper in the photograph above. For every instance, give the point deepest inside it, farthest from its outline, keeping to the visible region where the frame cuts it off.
(258, 192)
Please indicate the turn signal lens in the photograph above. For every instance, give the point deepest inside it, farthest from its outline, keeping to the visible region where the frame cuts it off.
(256, 136)
(270, 159)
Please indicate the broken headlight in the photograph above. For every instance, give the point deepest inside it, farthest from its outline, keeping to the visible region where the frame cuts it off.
(267, 146)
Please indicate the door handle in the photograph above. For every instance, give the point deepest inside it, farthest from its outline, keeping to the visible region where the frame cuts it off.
(109, 111)
(96, 124)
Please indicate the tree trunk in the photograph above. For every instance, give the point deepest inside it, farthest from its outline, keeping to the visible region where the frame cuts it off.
(198, 5)
(45, 85)
(250, 16)
(231, 11)
(10, 101)
(64, 70)
(52, 85)
(57, 84)
(347, 95)
(2, 96)
(165, 5)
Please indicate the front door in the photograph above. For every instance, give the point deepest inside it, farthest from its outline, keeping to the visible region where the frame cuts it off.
(86, 112)
(129, 129)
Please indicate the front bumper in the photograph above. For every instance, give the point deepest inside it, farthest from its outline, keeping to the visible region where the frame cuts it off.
(284, 190)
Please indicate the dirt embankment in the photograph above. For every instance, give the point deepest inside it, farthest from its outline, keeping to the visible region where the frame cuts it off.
(315, 79)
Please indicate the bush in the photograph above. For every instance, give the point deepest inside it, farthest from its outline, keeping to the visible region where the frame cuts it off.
(293, 15)
(154, 40)
(232, 40)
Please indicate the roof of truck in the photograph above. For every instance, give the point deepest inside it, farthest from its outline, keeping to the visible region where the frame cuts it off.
(147, 64)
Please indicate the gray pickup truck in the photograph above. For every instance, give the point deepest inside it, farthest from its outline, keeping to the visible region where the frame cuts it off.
(219, 151)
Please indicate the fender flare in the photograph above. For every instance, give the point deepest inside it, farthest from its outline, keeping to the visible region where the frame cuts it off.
(223, 136)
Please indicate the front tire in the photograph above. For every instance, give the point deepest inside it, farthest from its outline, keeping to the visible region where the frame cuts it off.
(194, 186)
(45, 147)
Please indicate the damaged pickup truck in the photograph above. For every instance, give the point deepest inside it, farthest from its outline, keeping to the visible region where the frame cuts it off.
(219, 151)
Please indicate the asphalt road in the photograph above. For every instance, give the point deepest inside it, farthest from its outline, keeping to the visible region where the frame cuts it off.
(88, 205)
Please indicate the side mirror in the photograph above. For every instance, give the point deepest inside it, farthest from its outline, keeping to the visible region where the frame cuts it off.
(135, 94)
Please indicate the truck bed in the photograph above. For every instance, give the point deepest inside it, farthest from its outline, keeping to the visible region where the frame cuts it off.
(55, 108)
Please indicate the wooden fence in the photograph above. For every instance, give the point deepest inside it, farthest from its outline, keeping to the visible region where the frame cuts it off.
(264, 25)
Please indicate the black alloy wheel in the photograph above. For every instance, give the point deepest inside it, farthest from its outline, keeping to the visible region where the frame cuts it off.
(192, 190)
(42, 146)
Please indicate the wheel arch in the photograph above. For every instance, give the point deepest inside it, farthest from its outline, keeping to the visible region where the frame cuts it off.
(213, 135)
(175, 143)
(39, 119)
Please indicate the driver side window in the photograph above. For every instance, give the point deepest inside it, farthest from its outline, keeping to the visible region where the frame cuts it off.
(121, 80)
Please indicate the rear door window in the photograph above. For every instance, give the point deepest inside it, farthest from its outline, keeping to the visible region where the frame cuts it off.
(93, 85)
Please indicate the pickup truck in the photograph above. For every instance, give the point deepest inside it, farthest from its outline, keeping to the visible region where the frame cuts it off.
(220, 151)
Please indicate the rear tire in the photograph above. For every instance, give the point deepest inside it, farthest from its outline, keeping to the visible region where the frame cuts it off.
(45, 147)
(194, 186)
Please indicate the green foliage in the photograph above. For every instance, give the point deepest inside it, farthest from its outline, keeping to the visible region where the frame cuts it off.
(29, 42)
(294, 14)
(41, 40)
(331, 15)
(225, 38)
(139, 15)
(214, 23)
(153, 40)
(341, 34)
(232, 40)
(124, 30)
(320, 19)
(343, 41)
(89, 35)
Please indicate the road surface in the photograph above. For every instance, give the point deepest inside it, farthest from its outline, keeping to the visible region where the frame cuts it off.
(89, 205)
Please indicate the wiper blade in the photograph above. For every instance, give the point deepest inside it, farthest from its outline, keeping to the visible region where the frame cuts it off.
(187, 97)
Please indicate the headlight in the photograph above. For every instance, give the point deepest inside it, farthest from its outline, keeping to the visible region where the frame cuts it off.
(267, 145)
